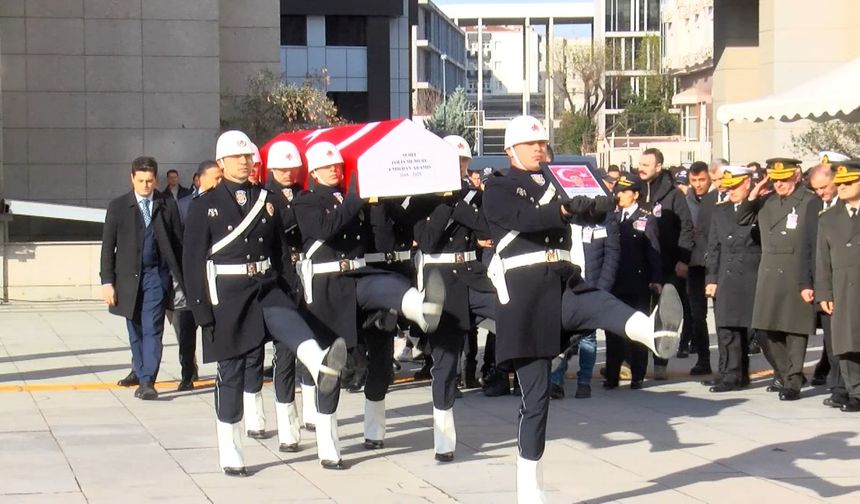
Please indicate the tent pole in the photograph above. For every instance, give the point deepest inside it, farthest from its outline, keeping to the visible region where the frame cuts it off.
(726, 154)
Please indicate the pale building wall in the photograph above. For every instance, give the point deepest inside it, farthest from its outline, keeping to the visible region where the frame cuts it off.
(92, 84)
(798, 40)
(53, 271)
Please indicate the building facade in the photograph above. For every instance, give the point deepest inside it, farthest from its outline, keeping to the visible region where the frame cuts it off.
(762, 47)
(438, 56)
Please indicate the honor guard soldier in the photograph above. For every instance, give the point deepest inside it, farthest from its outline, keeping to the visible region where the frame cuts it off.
(530, 226)
(447, 246)
(285, 182)
(784, 292)
(336, 230)
(639, 276)
(233, 264)
(837, 277)
(732, 261)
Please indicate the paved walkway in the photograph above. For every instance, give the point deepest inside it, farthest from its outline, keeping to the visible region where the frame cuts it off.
(67, 435)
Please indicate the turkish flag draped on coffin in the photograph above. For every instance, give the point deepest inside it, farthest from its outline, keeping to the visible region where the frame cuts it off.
(391, 158)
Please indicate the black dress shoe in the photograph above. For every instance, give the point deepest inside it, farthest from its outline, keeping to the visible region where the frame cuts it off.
(556, 391)
(834, 402)
(852, 406)
(129, 381)
(636, 384)
(583, 391)
(185, 386)
(682, 354)
(773, 388)
(423, 373)
(372, 444)
(310, 427)
(444, 457)
(146, 392)
(333, 465)
(256, 434)
(724, 387)
(789, 395)
(608, 385)
(711, 382)
(288, 448)
(458, 394)
(238, 472)
(699, 370)
(817, 381)
(268, 372)
(754, 348)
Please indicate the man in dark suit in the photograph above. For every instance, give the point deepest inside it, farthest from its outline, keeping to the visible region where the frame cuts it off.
(208, 175)
(734, 253)
(141, 247)
(174, 188)
(837, 277)
(784, 295)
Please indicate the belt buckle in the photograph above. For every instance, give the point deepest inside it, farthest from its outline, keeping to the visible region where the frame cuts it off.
(459, 258)
(552, 256)
(390, 257)
(344, 265)
(294, 257)
(251, 269)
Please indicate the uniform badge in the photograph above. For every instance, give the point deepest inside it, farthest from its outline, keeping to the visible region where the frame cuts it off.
(241, 197)
(339, 197)
(658, 210)
(270, 209)
(640, 223)
(213, 212)
(361, 215)
(288, 193)
(538, 179)
(522, 192)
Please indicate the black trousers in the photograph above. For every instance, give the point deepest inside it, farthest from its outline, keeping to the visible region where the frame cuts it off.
(619, 347)
(850, 364)
(686, 331)
(734, 357)
(380, 367)
(445, 349)
(835, 382)
(533, 375)
(380, 292)
(286, 368)
(788, 351)
(186, 336)
(699, 334)
(585, 311)
(232, 379)
(482, 305)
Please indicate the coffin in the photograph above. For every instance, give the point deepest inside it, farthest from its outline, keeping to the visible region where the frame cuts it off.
(391, 158)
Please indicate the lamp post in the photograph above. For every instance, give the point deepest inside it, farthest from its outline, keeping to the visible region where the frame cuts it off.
(444, 57)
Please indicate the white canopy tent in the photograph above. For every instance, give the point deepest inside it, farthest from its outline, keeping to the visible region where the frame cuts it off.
(834, 93)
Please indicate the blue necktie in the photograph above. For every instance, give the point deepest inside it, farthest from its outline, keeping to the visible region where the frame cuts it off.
(144, 209)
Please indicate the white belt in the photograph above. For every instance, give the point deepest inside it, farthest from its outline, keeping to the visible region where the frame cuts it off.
(541, 256)
(451, 258)
(498, 267)
(422, 260)
(341, 266)
(386, 257)
(214, 270)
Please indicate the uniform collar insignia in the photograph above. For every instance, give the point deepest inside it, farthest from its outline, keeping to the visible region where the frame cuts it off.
(538, 179)
(288, 193)
(339, 197)
(241, 197)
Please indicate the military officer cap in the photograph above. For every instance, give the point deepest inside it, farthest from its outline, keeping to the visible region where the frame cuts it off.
(627, 183)
(682, 177)
(831, 157)
(846, 171)
(733, 176)
(782, 168)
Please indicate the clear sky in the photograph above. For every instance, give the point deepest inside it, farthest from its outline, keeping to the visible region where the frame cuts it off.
(560, 31)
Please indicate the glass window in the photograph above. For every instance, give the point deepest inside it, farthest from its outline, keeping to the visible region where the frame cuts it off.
(346, 30)
(640, 20)
(624, 15)
(294, 30)
(351, 106)
(653, 14)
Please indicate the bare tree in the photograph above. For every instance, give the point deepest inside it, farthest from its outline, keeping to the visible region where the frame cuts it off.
(578, 71)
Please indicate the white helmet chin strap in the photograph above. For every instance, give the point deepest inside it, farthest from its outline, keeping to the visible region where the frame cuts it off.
(517, 158)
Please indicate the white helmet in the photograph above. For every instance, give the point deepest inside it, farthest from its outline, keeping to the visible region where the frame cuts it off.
(284, 154)
(524, 129)
(257, 159)
(322, 154)
(460, 143)
(233, 143)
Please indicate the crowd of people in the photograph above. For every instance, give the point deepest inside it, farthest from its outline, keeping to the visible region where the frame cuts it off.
(295, 256)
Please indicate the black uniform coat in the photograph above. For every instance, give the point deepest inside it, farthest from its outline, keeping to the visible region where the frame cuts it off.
(640, 263)
(784, 270)
(435, 236)
(701, 226)
(284, 195)
(122, 240)
(668, 205)
(837, 275)
(529, 325)
(238, 317)
(343, 223)
(734, 253)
